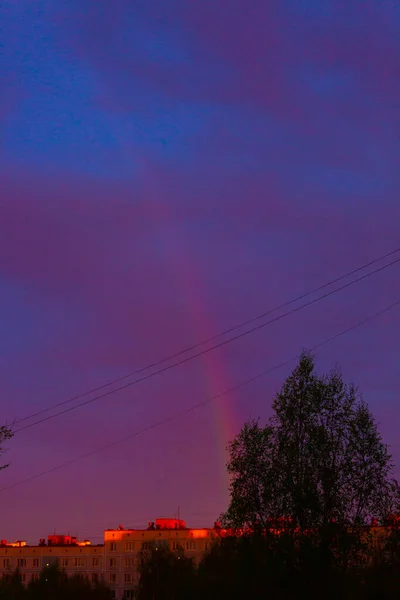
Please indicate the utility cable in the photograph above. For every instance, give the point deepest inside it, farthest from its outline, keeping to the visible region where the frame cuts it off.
(208, 340)
(200, 404)
(207, 350)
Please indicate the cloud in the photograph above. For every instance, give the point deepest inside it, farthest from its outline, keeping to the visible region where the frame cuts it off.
(138, 263)
(281, 59)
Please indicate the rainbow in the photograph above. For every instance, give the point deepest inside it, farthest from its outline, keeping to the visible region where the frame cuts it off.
(190, 287)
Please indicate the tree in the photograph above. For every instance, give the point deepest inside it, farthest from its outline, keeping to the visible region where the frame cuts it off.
(54, 584)
(165, 574)
(249, 566)
(319, 459)
(11, 587)
(5, 435)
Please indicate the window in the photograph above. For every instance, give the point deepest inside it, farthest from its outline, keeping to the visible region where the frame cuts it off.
(128, 577)
(129, 546)
(113, 578)
(95, 578)
(23, 577)
(6, 563)
(35, 562)
(21, 562)
(191, 546)
(113, 547)
(128, 594)
(113, 563)
(128, 562)
(65, 562)
(79, 562)
(34, 577)
(96, 562)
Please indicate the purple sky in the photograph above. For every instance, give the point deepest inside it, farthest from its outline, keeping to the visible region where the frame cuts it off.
(167, 170)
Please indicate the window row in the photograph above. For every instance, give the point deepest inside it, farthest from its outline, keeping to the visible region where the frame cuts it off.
(128, 562)
(95, 577)
(25, 578)
(80, 562)
(185, 546)
(21, 562)
(128, 578)
(35, 562)
(130, 546)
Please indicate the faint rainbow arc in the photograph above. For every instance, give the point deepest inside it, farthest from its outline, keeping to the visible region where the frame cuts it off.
(188, 282)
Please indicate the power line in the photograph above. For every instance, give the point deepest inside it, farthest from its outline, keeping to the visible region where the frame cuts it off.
(207, 350)
(200, 404)
(210, 339)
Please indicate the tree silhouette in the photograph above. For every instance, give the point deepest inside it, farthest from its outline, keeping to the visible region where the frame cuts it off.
(319, 459)
(52, 584)
(165, 574)
(5, 435)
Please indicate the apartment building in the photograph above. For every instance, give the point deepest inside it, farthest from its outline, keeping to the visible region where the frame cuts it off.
(71, 555)
(115, 560)
(121, 547)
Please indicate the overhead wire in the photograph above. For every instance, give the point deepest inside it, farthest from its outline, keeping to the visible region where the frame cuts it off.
(205, 341)
(194, 407)
(207, 350)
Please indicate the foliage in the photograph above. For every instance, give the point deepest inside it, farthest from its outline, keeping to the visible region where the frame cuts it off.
(331, 562)
(319, 459)
(165, 574)
(52, 584)
(5, 435)
(383, 576)
(285, 566)
(247, 567)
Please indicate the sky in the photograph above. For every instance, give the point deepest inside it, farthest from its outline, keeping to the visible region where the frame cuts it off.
(167, 171)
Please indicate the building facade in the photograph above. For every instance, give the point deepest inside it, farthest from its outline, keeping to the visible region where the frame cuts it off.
(115, 561)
